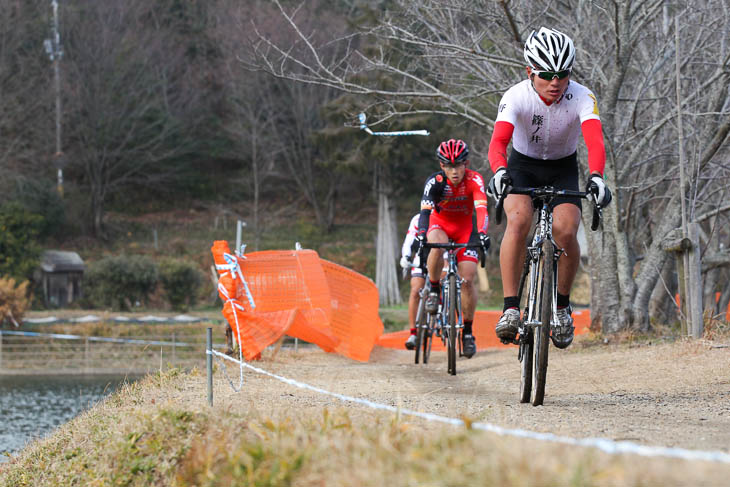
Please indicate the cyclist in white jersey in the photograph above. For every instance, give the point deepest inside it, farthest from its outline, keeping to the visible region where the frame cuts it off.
(409, 260)
(544, 116)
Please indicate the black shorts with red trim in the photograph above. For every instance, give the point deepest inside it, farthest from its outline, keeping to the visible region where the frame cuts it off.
(527, 172)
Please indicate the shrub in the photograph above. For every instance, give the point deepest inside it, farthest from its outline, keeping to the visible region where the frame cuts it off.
(40, 197)
(181, 281)
(19, 250)
(13, 300)
(120, 281)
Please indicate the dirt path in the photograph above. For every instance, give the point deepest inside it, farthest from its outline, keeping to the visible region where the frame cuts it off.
(674, 395)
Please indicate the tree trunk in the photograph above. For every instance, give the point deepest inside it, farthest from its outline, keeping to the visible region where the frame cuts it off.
(386, 275)
(662, 308)
(97, 214)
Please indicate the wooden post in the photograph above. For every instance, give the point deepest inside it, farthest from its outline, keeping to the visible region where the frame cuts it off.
(86, 355)
(1, 349)
(682, 294)
(694, 270)
(209, 363)
(685, 284)
(483, 279)
(173, 348)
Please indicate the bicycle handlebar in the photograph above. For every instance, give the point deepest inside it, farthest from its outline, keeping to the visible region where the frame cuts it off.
(454, 246)
(545, 192)
(448, 246)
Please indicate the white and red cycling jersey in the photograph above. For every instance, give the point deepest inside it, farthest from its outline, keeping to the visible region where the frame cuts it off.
(545, 131)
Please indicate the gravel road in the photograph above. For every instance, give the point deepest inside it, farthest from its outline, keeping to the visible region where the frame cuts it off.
(662, 394)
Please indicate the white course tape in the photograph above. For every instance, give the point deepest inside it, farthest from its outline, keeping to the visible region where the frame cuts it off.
(603, 444)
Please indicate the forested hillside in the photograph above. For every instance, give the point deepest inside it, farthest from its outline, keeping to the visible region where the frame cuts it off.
(248, 110)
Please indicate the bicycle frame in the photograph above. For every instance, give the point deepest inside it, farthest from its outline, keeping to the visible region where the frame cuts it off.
(533, 259)
(445, 290)
(450, 332)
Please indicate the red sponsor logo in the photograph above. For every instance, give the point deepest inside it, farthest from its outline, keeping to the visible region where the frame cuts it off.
(439, 178)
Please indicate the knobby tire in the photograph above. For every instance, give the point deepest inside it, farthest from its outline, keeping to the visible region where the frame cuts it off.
(542, 333)
(452, 324)
(421, 317)
(428, 341)
(526, 365)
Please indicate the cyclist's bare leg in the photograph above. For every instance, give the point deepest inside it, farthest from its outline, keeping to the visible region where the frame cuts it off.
(435, 260)
(468, 271)
(416, 285)
(518, 208)
(566, 219)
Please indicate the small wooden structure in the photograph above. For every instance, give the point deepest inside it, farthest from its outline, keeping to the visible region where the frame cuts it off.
(61, 274)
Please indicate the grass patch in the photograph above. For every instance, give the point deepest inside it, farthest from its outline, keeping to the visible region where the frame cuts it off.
(155, 432)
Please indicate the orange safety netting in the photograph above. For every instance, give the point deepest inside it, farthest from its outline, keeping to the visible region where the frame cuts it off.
(483, 329)
(297, 294)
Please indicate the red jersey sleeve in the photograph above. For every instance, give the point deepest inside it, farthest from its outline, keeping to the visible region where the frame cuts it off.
(593, 135)
(480, 201)
(498, 145)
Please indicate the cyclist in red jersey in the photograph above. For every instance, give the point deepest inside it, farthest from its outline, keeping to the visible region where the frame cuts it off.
(544, 116)
(454, 193)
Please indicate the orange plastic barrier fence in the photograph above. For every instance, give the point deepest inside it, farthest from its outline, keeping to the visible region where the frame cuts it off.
(355, 318)
(483, 329)
(298, 294)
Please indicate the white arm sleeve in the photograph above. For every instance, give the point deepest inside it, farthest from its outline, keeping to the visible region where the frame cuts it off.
(405, 250)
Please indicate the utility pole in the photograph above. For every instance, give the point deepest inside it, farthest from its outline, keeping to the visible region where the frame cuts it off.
(55, 52)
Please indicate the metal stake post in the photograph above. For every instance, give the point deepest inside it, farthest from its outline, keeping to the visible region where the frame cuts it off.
(239, 233)
(209, 362)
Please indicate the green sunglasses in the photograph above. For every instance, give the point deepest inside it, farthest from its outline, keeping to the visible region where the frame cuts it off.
(550, 75)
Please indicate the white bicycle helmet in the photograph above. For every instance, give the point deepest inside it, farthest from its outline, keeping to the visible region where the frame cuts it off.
(549, 50)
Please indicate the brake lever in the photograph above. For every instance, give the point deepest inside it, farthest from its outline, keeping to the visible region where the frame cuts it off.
(597, 217)
(500, 204)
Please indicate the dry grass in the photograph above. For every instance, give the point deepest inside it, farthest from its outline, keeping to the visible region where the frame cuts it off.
(160, 432)
(13, 300)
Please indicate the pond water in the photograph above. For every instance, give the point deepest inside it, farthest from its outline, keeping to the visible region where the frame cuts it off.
(33, 406)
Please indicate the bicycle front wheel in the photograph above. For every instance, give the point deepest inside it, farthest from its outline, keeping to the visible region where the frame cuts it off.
(451, 325)
(526, 347)
(542, 333)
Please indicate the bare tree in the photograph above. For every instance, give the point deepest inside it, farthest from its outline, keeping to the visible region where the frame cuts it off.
(131, 98)
(456, 57)
(286, 115)
(26, 131)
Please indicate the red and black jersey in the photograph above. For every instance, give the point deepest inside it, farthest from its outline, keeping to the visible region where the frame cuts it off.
(454, 204)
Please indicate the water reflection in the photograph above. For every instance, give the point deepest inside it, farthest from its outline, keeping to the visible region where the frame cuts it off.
(32, 406)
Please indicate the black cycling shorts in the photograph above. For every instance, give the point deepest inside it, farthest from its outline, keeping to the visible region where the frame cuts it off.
(527, 172)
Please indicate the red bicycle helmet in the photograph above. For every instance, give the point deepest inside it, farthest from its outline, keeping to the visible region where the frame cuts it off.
(453, 152)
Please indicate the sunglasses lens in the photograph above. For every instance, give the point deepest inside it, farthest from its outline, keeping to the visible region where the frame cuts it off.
(550, 75)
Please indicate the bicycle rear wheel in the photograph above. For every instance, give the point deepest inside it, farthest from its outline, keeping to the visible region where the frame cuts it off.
(451, 325)
(428, 340)
(542, 333)
(421, 323)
